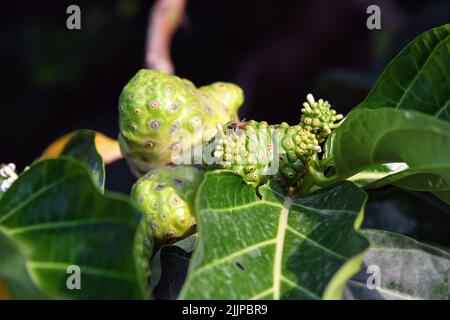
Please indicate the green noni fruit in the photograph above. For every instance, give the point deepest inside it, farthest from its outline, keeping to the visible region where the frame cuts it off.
(258, 151)
(166, 196)
(318, 117)
(163, 116)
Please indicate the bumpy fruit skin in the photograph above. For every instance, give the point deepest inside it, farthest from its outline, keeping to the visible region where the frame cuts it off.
(318, 117)
(257, 151)
(166, 196)
(157, 109)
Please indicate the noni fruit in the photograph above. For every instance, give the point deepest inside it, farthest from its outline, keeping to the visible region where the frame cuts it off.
(257, 151)
(163, 117)
(166, 196)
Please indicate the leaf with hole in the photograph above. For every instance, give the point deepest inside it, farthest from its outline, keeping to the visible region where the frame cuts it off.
(275, 247)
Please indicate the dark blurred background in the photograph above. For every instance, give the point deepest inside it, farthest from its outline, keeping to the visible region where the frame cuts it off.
(55, 80)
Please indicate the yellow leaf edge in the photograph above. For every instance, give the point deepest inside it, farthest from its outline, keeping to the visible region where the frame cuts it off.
(108, 148)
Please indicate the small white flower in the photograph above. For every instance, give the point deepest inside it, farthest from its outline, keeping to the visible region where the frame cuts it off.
(8, 172)
(310, 99)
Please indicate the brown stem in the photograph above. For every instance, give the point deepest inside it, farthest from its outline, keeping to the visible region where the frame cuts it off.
(164, 19)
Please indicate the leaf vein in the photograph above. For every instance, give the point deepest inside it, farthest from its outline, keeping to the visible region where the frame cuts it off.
(36, 195)
(301, 235)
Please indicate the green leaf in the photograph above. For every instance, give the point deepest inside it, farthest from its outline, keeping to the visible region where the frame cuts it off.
(82, 147)
(169, 268)
(417, 78)
(14, 273)
(379, 176)
(373, 137)
(414, 180)
(371, 175)
(408, 270)
(56, 217)
(275, 247)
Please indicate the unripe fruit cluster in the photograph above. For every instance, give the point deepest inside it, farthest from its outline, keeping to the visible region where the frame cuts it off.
(155, 107)
(258, 151)
(318, 117)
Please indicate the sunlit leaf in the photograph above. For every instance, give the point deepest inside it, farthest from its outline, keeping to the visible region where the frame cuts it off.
(275, 247)
(374, 137)
(417, 78)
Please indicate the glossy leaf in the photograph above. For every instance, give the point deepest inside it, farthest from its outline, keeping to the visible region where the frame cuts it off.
(380, 176)
(371, 175)
(415, 180)
(275, 247)
(417, 78)
(82, 147)
(407, 270)
(374, 137)
(57, 217)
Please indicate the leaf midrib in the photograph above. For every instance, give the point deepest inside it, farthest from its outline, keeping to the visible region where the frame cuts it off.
(419, 72)
(278, 278)
(279, 246)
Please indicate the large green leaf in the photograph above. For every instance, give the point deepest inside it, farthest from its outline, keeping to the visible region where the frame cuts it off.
(56, 217)
(275, 247)
(408, 270)
(373, 137)
(82, 147)
(417, 78)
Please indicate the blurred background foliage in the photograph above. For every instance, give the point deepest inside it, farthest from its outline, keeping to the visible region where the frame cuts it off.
(55, 80)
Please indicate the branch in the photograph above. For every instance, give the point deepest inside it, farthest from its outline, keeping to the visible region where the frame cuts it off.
(164, 19)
